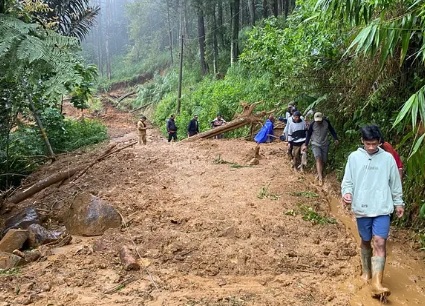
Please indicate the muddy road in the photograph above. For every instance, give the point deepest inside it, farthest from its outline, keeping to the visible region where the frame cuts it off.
(208, 229)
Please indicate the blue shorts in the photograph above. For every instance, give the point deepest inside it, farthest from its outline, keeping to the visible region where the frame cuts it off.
(373, 226)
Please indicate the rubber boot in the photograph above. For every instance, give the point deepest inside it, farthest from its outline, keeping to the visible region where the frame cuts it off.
(366, 256)
(378, 291)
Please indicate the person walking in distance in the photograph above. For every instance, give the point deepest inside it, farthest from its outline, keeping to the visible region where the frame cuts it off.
(141, 129)
(372, 186)
(318, 135)
(217, 122)
(171, 129)
(193, 127)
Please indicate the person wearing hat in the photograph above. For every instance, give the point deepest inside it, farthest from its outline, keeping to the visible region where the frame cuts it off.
(141, 129)
(317, 134)
(193, 127)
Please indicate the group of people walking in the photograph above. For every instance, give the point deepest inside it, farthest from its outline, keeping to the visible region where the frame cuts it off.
(371, 186)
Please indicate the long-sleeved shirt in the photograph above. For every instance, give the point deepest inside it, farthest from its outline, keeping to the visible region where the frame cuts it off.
(318, 133)
(374, 183)
(296, 131)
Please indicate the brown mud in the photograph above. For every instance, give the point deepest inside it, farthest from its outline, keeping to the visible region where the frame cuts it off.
(208, 230)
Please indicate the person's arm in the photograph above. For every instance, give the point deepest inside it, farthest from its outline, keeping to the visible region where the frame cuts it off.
(347, 184)
(332, 130)
(396, 189)
(309, 132)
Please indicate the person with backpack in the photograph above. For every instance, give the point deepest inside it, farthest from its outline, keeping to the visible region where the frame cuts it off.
(372, 187)
(318, 135)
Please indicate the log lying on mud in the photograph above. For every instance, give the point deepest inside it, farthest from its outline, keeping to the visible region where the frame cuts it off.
(46, 182)
(62, 176)
(128, 260)
(240, 120)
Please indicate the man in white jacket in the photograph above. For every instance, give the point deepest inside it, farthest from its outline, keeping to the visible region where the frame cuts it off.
(372, 186)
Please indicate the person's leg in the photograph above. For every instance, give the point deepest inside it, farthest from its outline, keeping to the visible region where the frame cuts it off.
(317, 152)
(140, 138)
(296, 152)
(380, 231)
(144, 138)
(170, 135)
(175, 136)
(364, 226)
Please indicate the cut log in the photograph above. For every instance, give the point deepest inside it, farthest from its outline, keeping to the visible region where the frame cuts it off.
(128, 260)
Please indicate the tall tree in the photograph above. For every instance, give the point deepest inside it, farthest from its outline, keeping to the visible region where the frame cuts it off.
(234, 47)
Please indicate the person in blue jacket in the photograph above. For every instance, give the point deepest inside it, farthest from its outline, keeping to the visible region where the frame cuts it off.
(372, 186)
(266, 132)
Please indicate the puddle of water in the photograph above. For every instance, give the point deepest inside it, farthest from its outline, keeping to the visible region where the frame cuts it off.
(404, 275)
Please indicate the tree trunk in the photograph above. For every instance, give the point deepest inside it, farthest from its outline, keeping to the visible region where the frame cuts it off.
(245, 118)
(265, 14)
(170, 32)
(201, 40)
(40, 185)
(220, 24)
(234, 50)
(107, 51)
(275, 7)
(215, 44)
(251, 7)
(49, 149)
(286, 8)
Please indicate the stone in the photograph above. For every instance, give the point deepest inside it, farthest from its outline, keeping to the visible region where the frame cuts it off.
(91, 216)
(38, 235)
(9, 261)
(22, 220)
(13, 240)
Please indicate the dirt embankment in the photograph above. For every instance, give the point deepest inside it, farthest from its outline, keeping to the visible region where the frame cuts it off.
(208, 229)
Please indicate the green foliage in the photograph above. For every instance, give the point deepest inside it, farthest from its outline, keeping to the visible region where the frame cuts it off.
(309, 214)
(23, 151)
(219, 160)
(265, 193)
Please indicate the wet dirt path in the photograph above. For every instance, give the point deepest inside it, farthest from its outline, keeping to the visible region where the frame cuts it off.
(210, 230)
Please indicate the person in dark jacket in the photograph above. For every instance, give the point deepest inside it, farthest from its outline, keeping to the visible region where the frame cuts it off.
(193, 127)
(171, 129)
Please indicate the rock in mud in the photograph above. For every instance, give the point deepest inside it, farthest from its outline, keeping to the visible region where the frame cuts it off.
(38, 235)
(13, 240)
(22, 220)
(9, 261)
(91, 216)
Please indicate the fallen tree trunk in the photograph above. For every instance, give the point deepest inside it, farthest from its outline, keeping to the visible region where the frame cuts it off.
(128, 260)
(245, 118)
(125, 96)
(61, 176)
(46, 182)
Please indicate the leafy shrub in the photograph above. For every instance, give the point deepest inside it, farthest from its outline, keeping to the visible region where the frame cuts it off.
(23, 151)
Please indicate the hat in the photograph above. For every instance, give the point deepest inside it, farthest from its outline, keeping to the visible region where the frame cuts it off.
(318, 116)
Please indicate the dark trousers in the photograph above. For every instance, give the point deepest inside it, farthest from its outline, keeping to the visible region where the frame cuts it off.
(172, 135)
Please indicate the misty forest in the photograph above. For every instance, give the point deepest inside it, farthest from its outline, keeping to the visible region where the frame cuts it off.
(356, 61)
